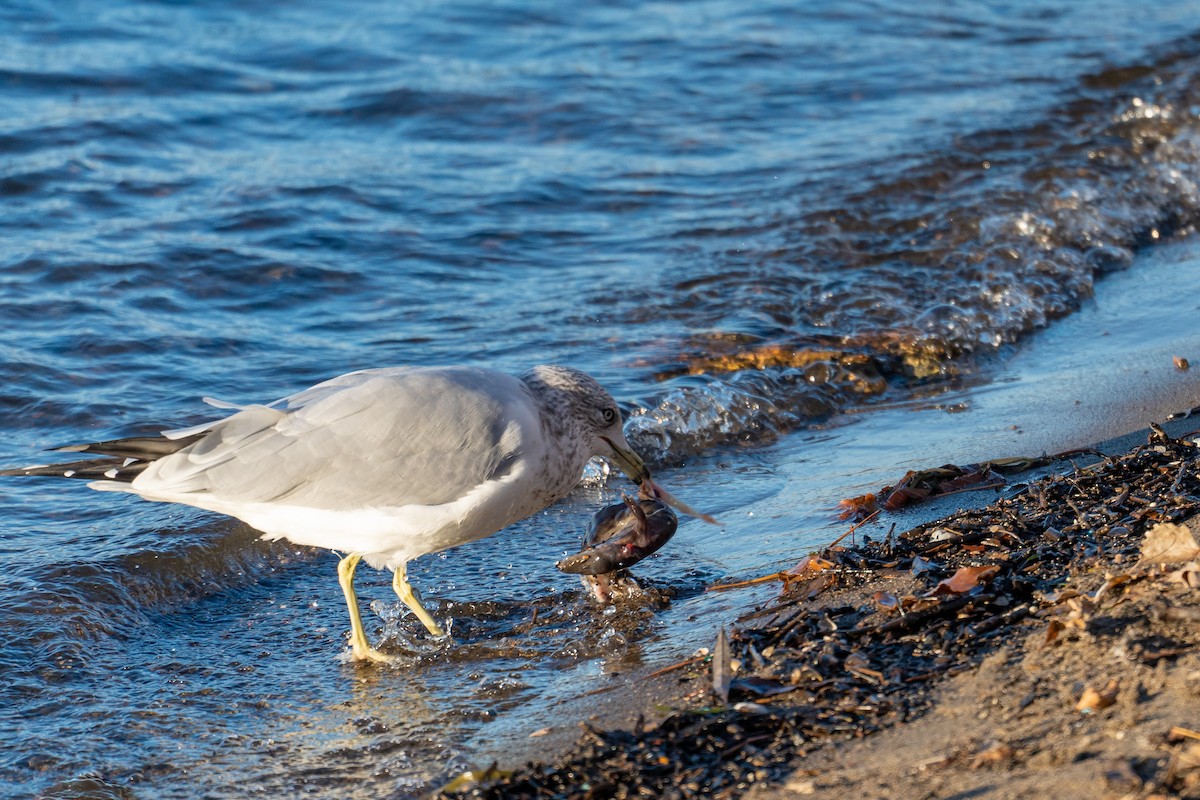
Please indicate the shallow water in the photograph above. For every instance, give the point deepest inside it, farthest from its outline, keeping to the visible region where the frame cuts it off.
(790, 241)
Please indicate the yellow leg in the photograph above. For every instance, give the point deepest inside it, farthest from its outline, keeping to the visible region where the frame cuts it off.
(409, 598)
(360, 648)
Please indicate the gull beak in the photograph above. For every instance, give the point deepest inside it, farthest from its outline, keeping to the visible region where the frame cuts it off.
(627, 461)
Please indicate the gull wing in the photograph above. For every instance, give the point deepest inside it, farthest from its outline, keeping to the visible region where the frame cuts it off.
(371, 439)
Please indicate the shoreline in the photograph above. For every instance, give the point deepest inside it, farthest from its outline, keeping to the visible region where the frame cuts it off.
(1093, 376)
(774, 734)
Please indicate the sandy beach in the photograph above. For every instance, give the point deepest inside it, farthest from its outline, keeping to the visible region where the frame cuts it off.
(985, 693)
(1045, 642)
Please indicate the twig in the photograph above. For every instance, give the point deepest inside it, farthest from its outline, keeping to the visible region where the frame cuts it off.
(788, 577)
(1179, 477)
(854, 527)
(679, 665)
(1180, 731)
(774, 576)
(915, 620)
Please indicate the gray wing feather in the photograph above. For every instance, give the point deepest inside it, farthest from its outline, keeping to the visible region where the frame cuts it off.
(376, 438)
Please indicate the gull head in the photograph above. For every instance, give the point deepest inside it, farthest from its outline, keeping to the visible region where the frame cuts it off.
(575, 399)
(581, 409)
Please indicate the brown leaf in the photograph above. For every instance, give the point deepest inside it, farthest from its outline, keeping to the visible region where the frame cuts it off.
(1053, 630)
(1093, 700)
(965, 579)
(1168, 543)
(859, 507)
(809, 565)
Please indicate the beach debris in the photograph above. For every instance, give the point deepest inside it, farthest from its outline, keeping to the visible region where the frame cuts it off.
(886, 601)
(722, 670)
(919, 485)
(1093, 700)
(1181, 363)
(837, 658)
(1188, 575)
(966, 579)
(806, 568)
(701, 655)
(922, 565)
(1179, 733)
(760, 687)
(1169, 543)
(806, 572)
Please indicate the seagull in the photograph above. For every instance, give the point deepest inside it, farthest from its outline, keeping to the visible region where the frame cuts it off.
(383, 465)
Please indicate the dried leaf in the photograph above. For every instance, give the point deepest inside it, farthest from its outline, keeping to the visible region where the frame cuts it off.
(1168, 543)
(1188, 575)
(1093, 700)
(809, 565)
(964, 580)
(1051, 598)
(1053, 630)
(859, 507)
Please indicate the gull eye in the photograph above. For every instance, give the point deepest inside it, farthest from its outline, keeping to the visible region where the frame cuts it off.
(609, 414)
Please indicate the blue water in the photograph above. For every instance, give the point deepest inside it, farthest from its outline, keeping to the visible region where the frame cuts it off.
(755, 226)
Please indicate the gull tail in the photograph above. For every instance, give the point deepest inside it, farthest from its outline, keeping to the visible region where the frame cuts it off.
(127, 458)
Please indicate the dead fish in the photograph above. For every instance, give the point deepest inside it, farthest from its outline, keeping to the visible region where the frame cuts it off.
(621, 535)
